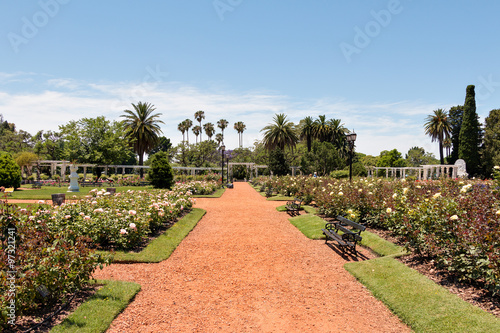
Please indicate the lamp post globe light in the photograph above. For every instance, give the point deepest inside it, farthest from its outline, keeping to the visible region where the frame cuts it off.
(351, 137)
(222, 149)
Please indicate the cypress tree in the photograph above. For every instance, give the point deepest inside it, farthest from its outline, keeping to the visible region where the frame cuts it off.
(470, 134)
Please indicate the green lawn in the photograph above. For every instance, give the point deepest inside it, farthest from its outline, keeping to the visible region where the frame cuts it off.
(97, 313)
(418, 301)
(46, 191)
(162, 247)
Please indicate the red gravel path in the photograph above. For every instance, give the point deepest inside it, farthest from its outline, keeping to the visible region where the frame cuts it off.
(245, 268)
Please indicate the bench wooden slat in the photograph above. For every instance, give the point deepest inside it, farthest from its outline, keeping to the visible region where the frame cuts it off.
(349, 237)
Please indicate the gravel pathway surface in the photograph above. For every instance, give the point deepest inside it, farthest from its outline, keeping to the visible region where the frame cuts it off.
(245, 268)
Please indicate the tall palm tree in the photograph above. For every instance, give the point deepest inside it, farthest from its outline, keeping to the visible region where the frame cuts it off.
(321, 129)
(438, 128)
(337, 132)
(222, 124)
(447, 145)
(143, 129)
(280, 134)
(182, 128)
(209, 130)
(240, 127)
(219, 138)
(188, 123)
(307, 131)
(196, 131)
(199, 116)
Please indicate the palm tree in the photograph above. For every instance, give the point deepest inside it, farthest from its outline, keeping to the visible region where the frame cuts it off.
(209, 130)
(447, 145)
(182, 128)
(188, 123)
(337, 132)
(321, 129)
(219, 138)
(143, 129)
(199, 116)
(307, 131)
(240, 127)
(222, 124)
(196, 131)
(280, 134)
(438, 128)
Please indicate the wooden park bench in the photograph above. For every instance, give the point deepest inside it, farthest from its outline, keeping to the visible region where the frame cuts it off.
(350, 233)
(293, 207)
(36, 185)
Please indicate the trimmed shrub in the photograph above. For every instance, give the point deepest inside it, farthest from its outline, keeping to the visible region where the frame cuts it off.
(160, 173)
(10, 172)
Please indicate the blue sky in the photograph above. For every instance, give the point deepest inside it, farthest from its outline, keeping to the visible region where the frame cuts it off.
(380, 66)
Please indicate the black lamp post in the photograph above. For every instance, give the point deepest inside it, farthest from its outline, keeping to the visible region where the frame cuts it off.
(222, 149)
(351, 137)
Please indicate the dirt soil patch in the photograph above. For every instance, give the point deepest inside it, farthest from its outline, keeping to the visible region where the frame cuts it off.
(245, 268)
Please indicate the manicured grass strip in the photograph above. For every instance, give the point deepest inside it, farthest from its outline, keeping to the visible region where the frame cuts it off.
(310, 209)
(279, 198)
(45, 193)
(162, 247)
(380, 246)
(97, 313)
(217, 194)
(419, 302)
(309, 225)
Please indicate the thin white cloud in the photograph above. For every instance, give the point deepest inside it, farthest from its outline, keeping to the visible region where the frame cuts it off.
(380, 126)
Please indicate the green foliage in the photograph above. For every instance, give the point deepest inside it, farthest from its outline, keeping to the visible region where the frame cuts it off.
(339, 174)
(280, 134)
(322, 159)
(438, 128)
(61, 261)
(164, 144)
(95, 140)
(160, 173)
(417, 156)
(492, 141)
(470, 134)
(455, 115)
(10, 172)
(277, 162)
(391, 158)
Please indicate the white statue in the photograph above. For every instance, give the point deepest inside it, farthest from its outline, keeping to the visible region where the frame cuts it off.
(73, 179)
(462, 170)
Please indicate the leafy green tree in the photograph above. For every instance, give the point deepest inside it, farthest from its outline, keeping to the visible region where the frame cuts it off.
(96, 141)
(470, 134)
(492, 141)
(164, 144)
(455, 115)
(277, 162)
(142, 129)
(417, 156)
(322, 159)
(24, 160)
(10, 172)
(13, 141)
(280, 134)
(306, 126)
(367, 160)
(392, 158)
(438, 128)
(48, 145)
(160, 172)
